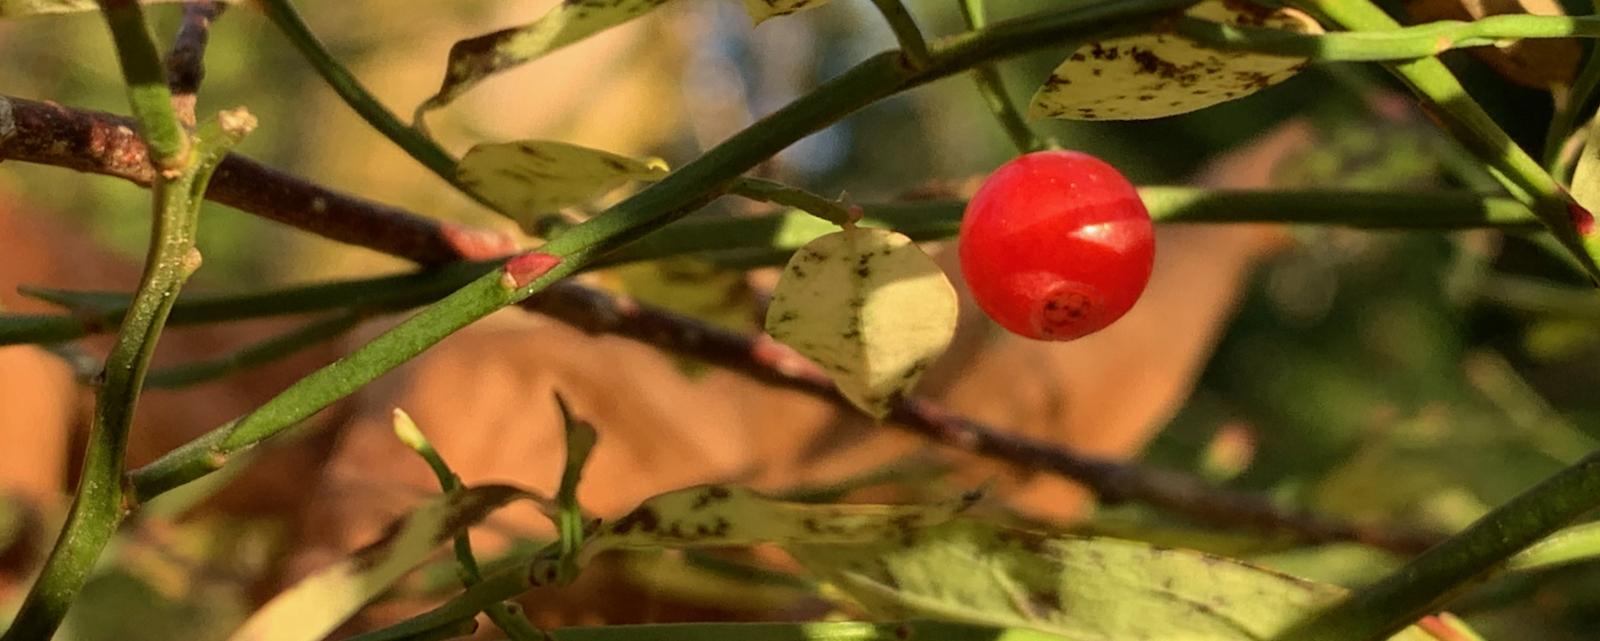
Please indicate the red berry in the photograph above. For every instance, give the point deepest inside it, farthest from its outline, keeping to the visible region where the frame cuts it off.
(1056, 245)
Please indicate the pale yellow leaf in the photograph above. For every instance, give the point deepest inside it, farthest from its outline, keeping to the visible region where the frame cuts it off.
(724, 515)
(531, 178)
(870, 308)
(1155, 75)
(315, 606)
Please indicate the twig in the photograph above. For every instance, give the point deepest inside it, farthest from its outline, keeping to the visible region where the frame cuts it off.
(256, 189)
(100, 505)
(101, 143)
(186, 65)
(993, 89)
(905, 29)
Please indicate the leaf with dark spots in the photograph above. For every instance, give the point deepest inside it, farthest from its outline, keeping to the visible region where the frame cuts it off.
(473, 60)
(318, 604)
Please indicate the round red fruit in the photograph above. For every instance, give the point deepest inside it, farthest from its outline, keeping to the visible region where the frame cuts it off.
(1056, 245)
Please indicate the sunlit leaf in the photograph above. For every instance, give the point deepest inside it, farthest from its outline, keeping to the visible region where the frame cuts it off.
(531, 178)
(1085, 589)
(761, 10)
(26, 8)
(474, 59)
(319, 603)
(723, 515)
(1161, 74)
(870, 308)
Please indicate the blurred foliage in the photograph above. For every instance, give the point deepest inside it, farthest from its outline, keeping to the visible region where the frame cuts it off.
(1363, 373)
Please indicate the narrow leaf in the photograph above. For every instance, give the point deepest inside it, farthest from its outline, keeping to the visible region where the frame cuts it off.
(1155, 75)
(1085, 589)
(870, 308)
(319, 603)
(761, 10)
(531, 178)
(474, 59)
(723, 515)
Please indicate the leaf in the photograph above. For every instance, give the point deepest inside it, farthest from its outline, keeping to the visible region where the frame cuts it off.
(723, 515)
(531, 178)
(319, 603)
(870, 308)
(761, 10)
(692, 287)
(28, 8)
(1155, 75)
(1085, 589)
(475, 59)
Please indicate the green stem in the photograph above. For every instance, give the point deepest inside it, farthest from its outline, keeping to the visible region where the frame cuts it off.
(1426, 583)
(675, 196)
(256, 355)
(771, 239)
(1387, 42)
(420, 147)
(993, 90)
(905, 31)
(1567, 116)
(777, 193)
(148, 96)
(100, 505)
(1466, 121)
(517, 627)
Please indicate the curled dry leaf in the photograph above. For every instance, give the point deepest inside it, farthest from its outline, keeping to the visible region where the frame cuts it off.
(761, 10)
(870, 308)
(531, 178)
(1155, 75)
(474, 59)
(1535, 62)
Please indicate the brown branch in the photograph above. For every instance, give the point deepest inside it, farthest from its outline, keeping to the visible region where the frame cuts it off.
(186, 65)
(101, 143)
(105, 144)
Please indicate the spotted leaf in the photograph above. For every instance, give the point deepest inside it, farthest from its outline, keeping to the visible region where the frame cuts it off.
(722, 515)
(761, 10)
(474, 59)
(1160, 74)
(535, 177)
(1085, 589)
(870, 308)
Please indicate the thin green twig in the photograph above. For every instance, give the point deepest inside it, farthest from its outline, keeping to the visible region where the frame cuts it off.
(420, 147)
(146, 77)
(777, 193)
(1428, 582)
(255, 355)
(677, 195)
(768, 240)
(993, 90)
(905, 31)
(1387, 42)
(516, 626)
(1467, 122)
(1568, 116)
(100, 503)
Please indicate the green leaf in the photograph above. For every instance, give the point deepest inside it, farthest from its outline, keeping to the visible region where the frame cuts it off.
(474, 59)
(761, 10)
(319, 603)
(1085, 589)
(27, 8)
(726, 515)
(1155, 75)
(870, 308)
(531, 178)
